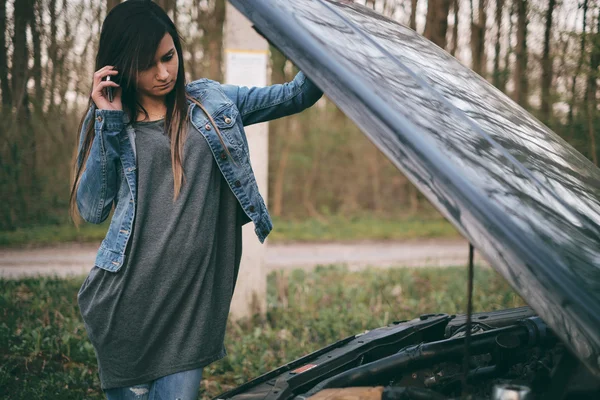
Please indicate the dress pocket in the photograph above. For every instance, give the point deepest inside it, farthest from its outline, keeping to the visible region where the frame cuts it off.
(88, 279)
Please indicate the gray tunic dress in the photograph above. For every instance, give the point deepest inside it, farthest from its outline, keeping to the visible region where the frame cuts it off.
(166, 309)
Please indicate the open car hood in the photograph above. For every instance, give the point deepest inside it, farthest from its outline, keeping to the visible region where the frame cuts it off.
(525, 199)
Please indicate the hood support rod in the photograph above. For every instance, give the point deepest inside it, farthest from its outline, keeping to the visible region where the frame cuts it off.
(469, 319)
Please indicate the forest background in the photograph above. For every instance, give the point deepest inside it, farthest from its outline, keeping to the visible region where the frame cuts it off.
(545, 54)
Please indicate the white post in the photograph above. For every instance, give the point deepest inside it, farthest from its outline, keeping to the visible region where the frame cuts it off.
(246, 57)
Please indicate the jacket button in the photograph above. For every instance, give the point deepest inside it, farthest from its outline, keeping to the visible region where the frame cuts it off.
(251, 208)
(237, 183)
(207, 127)
(223, 156)
(227, 120)
(99, 118)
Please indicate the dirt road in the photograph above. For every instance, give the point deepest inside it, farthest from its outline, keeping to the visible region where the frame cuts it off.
(77, 259)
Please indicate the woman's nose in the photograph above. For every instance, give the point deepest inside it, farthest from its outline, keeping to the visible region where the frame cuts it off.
(163, 73)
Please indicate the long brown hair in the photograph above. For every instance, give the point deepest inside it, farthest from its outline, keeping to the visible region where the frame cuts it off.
(131, 33)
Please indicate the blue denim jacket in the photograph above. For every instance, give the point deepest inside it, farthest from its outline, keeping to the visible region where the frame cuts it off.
(110, 172)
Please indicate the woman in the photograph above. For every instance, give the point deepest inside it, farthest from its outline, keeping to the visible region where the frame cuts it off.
(172, 159)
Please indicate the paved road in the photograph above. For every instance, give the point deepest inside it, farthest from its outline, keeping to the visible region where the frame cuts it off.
(77, 259)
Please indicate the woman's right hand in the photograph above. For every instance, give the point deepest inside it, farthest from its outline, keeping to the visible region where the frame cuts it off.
(99, 95)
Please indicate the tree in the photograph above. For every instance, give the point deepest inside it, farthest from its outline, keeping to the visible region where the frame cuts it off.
(213, 40)
(547, 65)
(170, 6)
(19, 73)
(210, 22)
(5, 85)
(509, 50)
(520, 74)
(496, 75)
(110, 4)
(436, 21)
(478, 37)
(454, 45)
(591, 88)
(35, 19)
(52, 53)
(280, 135)
(579, 65)
(413, 15)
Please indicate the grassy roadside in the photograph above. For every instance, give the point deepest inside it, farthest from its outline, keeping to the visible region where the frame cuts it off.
(333, 228)
(46, 352)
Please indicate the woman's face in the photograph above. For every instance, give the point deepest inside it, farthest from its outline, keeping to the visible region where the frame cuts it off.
(159, 78)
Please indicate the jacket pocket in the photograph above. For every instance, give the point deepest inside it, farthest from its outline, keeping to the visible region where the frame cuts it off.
(226, 119)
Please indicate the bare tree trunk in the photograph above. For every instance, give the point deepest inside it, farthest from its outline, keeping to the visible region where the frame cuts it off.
(413, 197)
(521, 85)
(454, 47)
(547, 65)
(482, 32)
(110, 4)
(279, 132)
(413, 15)
(22, 12)
(591, 88)
(215, 53)
(211, 23)
(21, 138)
(478, 38)
(563, 44)
(375, 178)
(36, 23)
(279, 178)
(169, 6)
(6, 95)
(509, 50)
(578, 69)
(309, 183)
(175, 13)
(496, 78)
(65, 49)
(52, 53)
(166, 5)
(436, 22)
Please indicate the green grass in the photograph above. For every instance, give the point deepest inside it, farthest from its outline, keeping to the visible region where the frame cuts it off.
(333, 228)
(343, 228)
(53, 234)
(46, 353)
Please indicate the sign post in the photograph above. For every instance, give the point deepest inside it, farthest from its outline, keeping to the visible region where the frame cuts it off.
(246, 57)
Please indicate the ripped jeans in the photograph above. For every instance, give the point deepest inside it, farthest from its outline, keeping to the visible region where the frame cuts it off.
(183, 385)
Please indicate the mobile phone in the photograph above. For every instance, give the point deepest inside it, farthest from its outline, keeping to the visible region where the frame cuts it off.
(109, 90)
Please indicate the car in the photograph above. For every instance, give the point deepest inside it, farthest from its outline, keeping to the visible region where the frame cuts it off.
(525, 199)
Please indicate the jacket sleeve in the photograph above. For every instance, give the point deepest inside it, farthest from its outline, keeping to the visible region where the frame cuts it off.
(98, 185)
(259, 104)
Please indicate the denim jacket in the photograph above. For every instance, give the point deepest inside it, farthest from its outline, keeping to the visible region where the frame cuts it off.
(110, 173)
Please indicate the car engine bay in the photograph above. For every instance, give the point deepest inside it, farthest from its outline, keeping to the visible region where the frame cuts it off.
(511, 354)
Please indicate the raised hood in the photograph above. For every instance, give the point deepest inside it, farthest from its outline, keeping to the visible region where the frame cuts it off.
(526, 200)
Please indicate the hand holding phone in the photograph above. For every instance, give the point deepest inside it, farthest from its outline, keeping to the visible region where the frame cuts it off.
(109, 90)
(106, 93)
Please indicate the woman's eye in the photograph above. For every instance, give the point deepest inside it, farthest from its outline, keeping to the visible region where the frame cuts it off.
(165, 59)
